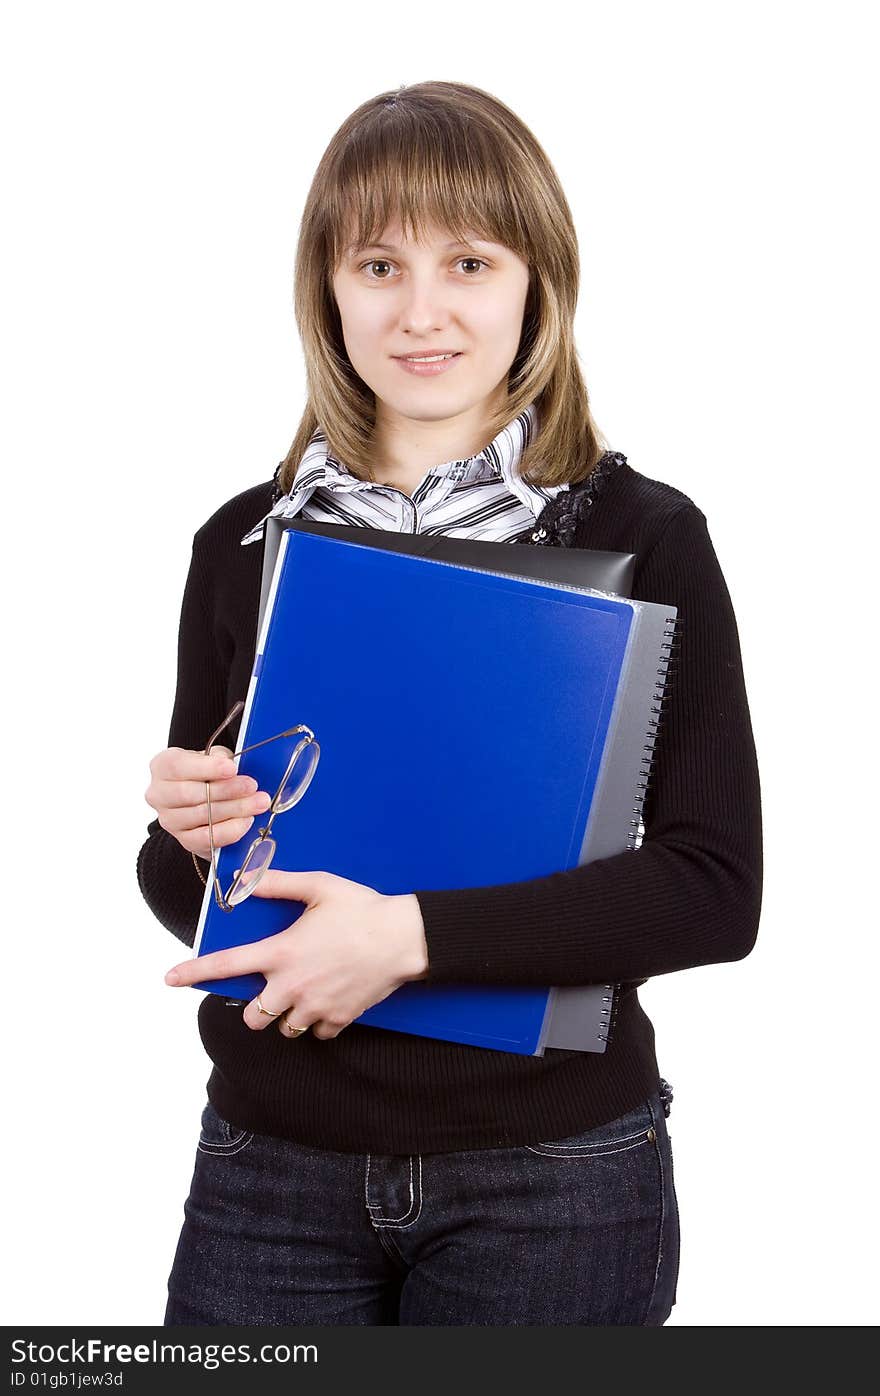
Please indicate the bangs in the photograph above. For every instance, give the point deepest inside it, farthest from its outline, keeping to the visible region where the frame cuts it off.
(402, 168)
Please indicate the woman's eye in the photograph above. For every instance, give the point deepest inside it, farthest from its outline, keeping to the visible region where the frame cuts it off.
(380, 262)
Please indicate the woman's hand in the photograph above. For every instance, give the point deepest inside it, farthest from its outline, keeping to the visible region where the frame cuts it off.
(177, 793)
(350, 949)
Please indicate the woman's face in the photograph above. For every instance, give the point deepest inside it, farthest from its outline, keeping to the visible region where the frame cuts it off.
(399, 297)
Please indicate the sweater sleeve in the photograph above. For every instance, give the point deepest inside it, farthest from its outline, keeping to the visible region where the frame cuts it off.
(165, 871)
(690, 894)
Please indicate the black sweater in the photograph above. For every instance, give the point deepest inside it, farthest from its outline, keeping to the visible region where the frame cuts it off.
(689, 895)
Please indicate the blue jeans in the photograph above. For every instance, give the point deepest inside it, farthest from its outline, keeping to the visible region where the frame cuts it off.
(582, 1230)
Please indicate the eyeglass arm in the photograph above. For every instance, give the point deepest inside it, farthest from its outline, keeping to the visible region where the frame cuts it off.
(290, 732)
(233, 713)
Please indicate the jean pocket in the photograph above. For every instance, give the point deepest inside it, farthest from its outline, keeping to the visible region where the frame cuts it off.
(218, 1136)
(630, 1131)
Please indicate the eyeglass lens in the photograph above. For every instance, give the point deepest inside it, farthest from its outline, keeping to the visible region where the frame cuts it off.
(252, 869)
(299, 776)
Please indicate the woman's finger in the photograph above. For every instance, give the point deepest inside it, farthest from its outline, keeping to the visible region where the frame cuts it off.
(272, 1006)
(258, 956)
(324, 1029)
(195, 816)
(176, 763)
(181, 794)
(199, 840)
(289, 1027)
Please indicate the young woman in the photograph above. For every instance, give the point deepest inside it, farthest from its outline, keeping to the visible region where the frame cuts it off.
(350, 1175)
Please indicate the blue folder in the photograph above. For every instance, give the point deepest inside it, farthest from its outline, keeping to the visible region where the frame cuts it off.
(475, 728)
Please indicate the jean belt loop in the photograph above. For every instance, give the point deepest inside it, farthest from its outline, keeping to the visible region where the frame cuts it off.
(666, 1096)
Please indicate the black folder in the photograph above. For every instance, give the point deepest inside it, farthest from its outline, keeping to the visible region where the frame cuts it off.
(582, 567)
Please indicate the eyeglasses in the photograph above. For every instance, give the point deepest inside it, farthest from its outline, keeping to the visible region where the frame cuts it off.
(293, 785)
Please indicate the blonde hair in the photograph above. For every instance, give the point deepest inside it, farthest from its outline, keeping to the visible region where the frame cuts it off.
(451, 155)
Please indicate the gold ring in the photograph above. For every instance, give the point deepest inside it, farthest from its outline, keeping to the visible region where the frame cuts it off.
(265, 1010)
(294, 1032)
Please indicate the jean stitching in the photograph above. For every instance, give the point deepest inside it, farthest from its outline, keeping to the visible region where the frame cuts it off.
(544, 1151)
(371, 1206)
(662, 1217)
(234, 1146)
(401, 1224)
(597, 1144)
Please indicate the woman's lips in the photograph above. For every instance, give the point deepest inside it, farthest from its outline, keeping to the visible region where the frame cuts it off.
(427, 370)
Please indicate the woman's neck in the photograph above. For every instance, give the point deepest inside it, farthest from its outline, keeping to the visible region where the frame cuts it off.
(404, 450)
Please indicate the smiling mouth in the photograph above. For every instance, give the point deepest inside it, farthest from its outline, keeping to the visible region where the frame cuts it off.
(428, 358)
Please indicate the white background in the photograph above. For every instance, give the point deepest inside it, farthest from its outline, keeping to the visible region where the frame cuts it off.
(156, 159)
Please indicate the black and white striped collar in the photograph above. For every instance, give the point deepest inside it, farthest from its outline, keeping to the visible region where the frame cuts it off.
(499, 460)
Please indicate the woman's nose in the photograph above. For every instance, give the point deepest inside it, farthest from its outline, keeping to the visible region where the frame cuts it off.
(425, 305)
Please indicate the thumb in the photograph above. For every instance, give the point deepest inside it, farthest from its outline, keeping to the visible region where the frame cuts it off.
(219, 750)
(306, 887)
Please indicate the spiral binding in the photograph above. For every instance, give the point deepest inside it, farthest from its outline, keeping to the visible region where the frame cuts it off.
(556, 526)
(608, 1016)
(669, 659)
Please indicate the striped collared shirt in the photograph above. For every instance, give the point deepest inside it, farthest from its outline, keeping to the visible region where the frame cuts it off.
(480, 497)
